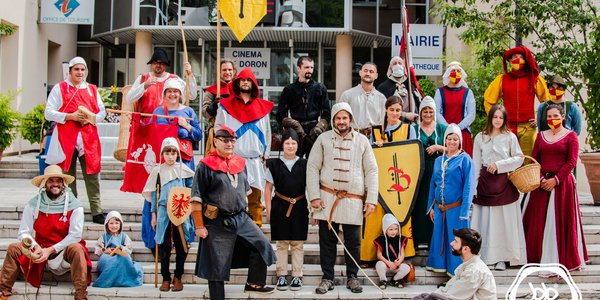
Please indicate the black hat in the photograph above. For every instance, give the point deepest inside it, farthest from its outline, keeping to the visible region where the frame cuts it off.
(290, 133)
(225, 131)
(160, 54)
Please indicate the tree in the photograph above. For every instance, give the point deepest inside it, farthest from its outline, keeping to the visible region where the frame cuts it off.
(564, 35)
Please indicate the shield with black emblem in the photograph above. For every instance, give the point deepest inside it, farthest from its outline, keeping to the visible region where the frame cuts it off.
(401, 166)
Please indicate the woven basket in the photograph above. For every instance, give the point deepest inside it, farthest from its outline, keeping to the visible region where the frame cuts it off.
(527, 177)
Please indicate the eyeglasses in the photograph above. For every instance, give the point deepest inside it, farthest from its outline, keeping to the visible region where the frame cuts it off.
(227, 141)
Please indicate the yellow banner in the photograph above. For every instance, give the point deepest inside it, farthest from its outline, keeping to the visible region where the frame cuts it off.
(242, 15)
(401, 167)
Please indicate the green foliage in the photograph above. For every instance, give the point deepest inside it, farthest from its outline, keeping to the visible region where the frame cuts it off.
(427, 87)
(107, 97)
(564, 35)
(9, 119)
(6, 29)
(31, 127)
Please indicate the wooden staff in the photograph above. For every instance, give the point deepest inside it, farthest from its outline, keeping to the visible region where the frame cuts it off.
(218, 67)
(116, 111)
(155, 243)
(185, 60)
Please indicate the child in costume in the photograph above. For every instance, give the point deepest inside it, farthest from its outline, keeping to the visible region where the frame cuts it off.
(114, 247)
(288, 210)
(390, 253)
(168, 175)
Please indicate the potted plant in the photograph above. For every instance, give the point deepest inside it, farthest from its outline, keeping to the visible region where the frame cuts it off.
(9, 120)
(109, 98)
(34, 125)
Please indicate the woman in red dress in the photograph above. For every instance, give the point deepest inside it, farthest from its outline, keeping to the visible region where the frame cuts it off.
(552, 219)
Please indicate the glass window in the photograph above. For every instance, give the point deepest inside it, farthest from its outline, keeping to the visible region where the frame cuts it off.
(159, 12)
(329, 69)
(325, 13)
(102, 16)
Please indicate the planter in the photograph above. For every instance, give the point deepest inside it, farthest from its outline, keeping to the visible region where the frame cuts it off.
(591, 161)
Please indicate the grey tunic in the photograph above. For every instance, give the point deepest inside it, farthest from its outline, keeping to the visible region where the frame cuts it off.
(224, 247)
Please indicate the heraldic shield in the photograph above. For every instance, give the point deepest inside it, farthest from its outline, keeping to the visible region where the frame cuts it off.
(401, 168)
(179, 207)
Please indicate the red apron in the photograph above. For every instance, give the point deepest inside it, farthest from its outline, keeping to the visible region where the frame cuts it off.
(152, 97)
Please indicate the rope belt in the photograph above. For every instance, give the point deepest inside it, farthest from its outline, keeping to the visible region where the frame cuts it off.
(339, 195)
(291, 200)
(443, 208)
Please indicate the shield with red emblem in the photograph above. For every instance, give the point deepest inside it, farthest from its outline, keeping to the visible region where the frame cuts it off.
(179, 207)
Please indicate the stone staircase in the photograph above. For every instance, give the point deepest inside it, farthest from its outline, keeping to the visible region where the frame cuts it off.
(195, 288)
(27, 167)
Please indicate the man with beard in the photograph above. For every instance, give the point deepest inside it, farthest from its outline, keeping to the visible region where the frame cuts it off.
(304, 106)
(518, 87)
(228, 238)
(209, 99)
(367, 102)
(248, 116)
(56, 217)
(473, 279)
(147, 89)
(397, 84)
(341, 174)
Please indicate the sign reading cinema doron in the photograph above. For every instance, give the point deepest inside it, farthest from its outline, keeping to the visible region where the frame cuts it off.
(67, 11)
(426, 47)
(257, 59)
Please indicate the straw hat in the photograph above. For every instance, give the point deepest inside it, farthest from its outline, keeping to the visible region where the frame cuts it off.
(52, 171)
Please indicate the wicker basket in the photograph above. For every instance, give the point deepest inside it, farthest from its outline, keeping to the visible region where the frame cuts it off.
(527, 177)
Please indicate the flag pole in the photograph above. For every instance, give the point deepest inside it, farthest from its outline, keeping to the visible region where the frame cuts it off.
(218, 67)
(185, 60)
(407, 54)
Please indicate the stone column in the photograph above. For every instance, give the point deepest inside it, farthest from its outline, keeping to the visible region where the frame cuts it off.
(343, 64)
(143, 52)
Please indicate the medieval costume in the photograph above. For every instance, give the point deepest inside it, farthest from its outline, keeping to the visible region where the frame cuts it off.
(57, 223)
(422, 225)
(450, 195)
(573, 116)
(518, 87)
(455, 103)
(391, 250)
(116, 270)
(233, 240)
(552, 219)
(496, 211)
(75, 140)
(209, 109)
(167, 234)
(369, 107)
(397, 84)
(250, 121)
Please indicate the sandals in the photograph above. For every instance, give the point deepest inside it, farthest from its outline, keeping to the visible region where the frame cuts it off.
(383, 284)
(396, 283)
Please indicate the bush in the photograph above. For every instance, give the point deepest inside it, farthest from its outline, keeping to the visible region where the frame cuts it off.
(31, 127)
(427, 87)
(9, 119)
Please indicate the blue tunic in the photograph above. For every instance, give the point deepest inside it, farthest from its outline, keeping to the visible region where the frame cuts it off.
(459, 184)
(162, 218)
(194, 136)
(116, 270)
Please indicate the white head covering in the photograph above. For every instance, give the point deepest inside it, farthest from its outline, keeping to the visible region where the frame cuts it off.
(174, 83)
(339, 107)
(390, 69)
(428, 102)
(170, 141)
(455, 65)
(453, 128)
(77, 60)
(113, 214)
(387, 221)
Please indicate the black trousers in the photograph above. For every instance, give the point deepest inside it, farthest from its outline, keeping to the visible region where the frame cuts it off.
(328, 245)
(172, 237)
(216, 290)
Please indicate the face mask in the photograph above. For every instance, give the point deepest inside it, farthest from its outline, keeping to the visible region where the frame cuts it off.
(517, 63)
(554, 123)
(398, 71)
(455, 77)
(556, 93)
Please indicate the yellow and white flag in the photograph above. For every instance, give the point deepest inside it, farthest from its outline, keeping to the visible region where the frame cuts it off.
(242, 15)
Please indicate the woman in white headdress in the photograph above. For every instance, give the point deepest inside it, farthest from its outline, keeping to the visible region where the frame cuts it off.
(455, 103)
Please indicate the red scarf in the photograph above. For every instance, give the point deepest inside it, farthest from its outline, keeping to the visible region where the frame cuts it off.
(231, 165)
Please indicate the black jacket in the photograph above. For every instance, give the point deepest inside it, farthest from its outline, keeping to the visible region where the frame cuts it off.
(305, 102)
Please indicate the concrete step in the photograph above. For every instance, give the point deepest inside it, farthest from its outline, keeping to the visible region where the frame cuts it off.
(30, 173)
(24, 164)
(64, 291)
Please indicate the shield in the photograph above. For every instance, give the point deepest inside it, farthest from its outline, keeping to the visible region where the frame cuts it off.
(401, 166)
(179, 207)
(242, 15)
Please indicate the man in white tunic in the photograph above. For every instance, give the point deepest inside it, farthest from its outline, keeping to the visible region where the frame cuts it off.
(473, 279)
(341, 183)
(367, 103)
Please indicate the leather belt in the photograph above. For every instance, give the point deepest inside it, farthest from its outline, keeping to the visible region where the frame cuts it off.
(291, 200)
(443, 208)
(339, 195)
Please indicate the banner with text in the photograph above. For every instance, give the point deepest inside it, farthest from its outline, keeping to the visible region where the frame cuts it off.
(427, 45)
(67, 11)
(257, 59)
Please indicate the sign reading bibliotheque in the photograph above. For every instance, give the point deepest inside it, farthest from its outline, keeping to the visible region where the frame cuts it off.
(67, 11)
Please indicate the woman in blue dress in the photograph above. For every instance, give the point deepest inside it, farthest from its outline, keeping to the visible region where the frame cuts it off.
(450, 197)
(114, 247)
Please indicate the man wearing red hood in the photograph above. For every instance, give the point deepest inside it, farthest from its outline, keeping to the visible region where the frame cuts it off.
(209, 99)
(519, 87)
(248, 116)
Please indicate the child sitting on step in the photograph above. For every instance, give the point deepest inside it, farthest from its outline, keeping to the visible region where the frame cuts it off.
(115, 266)
(287, 212)
(390, 253)
(168, 175)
